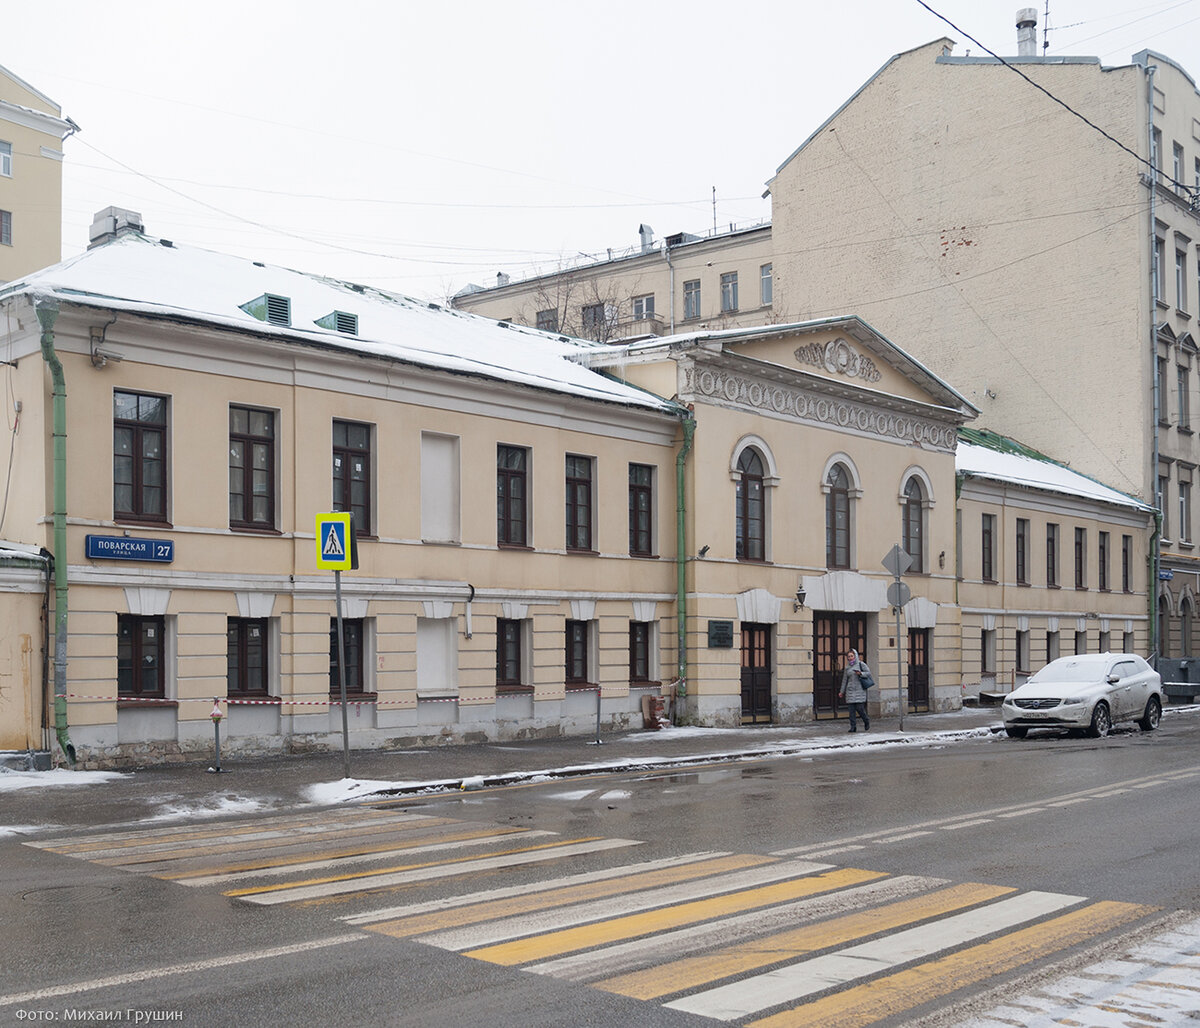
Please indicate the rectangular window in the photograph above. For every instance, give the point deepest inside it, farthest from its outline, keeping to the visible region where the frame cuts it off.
(691, 298)
(508, 652)
(1022, 652)
(1080, 642)
(353, 638)
(1162, 391)
(1022, 551)
(251, 468)
(140, 652)
(1102, 563)
(641, 510)
(1185, 512)
(1182, 379)
(1105, 642)
(1127, 642)
(352, 472)
(1081, 558)
(577, 653)
(1051, 646)
(766, 285)
(598, 320)
(987, 652)
(639, 651)
(1181, 280)
(6, 159)
(441, 489)
(246, 665)
(6, 228)
(1177, 172)
(1160, 270)
(511, 513)
(1126, 563)
(1052, 556)
(729, 291)
(579, 503)
(988, 547)
(547, 320)
(139, 457)
(643, 307)
(1164, 485)
(1156, 149)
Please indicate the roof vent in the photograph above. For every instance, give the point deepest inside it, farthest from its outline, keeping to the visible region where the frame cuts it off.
(167, 243)
(340, 321)
(1027, 32)
(502, 279)
(646, 233)
(275, 310)
(112, 223)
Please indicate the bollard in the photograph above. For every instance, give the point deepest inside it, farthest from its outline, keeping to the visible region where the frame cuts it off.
(216, 716)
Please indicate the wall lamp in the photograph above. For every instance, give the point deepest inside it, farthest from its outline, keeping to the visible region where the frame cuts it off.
(703, 552)
(798, 602)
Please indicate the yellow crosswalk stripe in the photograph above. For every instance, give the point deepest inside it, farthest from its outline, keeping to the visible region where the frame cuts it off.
(366, 876)
(565, 940)
(692, 972)
(420, 924)
(904, 990)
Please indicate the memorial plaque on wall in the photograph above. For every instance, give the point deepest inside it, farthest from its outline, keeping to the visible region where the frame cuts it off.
(720, 635)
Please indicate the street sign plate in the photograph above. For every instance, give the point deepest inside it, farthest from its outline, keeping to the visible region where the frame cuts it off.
(897, 561)
(334, 542)
(116, 547)
(898, 594)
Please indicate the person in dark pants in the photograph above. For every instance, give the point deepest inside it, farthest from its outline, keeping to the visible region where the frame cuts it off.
(854, 693)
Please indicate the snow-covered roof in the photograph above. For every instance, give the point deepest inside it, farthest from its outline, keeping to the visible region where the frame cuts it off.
(156, 278)
(1006, 465)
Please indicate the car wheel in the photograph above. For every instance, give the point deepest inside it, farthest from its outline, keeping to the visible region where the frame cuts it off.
(1153, 715)
(1015, 732)
(1101, 721)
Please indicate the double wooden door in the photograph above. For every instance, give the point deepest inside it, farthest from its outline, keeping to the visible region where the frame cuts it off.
(756, 673)
(835, 636)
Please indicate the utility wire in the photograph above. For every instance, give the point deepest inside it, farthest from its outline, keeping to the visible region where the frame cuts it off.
(1062, 103)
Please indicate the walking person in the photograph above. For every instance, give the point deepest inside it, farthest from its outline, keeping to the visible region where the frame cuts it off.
(854, 692)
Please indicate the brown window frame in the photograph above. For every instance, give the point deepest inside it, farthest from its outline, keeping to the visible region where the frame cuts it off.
(252, 444)
(639, 651)
(240, 649)
(641, 510)
(343, 480)
(132, 656)
(576, 654)
(512, 496)
(750, 512)
(141, 430)
(579, 483)
(354, 636)
(509, 645)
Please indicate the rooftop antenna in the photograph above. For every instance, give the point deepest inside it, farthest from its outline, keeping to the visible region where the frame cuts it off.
(1046, 30)
(714, 210)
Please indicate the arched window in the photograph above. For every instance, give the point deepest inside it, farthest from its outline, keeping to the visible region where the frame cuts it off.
(912, 530)
(749, 513)
(837, 518)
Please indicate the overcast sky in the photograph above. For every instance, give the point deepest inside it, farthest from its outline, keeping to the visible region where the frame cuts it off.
(419, 147)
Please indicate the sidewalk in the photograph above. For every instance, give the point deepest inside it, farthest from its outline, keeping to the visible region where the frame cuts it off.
(64, 799)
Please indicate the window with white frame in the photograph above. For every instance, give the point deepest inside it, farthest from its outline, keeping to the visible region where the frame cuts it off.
(766, 283)
(1177, 165)
(1160, 270)
(643, 307)
(6, 228)
(1164, 486)
(1162, 391)
(913, 523)
(1181, 280)
(6, 159)
(729, 291)
(1185, 509)
(1184, 404)
(691, 298)
(1156, 145)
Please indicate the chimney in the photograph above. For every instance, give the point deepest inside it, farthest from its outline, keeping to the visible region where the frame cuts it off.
(112, 223)
(647, 236)
(1027, 32)
(501, 279)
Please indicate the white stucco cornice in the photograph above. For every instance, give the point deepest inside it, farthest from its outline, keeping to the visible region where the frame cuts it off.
(28, 118)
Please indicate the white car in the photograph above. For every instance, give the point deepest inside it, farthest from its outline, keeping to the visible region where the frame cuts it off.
(1091, 691)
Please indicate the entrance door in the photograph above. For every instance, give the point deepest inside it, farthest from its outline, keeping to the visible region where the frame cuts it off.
(918, 669)
(756, 673)
(836, 635)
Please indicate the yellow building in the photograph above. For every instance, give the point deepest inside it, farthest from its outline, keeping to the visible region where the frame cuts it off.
(32, 130)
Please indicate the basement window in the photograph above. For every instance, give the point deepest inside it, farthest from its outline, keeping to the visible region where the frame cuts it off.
(340, 321)
(275, 310)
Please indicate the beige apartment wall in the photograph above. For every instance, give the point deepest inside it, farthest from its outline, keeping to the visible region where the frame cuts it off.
(33, 194)
(996, 238)
(615, 283)
(21, 665)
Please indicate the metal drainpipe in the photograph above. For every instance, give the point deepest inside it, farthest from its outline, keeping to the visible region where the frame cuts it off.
(1158, 498)
(689, 431)
(47, 313)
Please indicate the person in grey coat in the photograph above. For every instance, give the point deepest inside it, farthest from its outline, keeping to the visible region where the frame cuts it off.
(854, 693)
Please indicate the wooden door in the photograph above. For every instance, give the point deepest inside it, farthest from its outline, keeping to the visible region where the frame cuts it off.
(756, 673)
(918, 669)
(835, 635)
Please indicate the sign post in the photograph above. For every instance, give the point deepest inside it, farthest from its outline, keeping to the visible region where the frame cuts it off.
(898, 562)
(337, 551)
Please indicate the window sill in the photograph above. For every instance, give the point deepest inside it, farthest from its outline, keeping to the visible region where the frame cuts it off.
(514, 690)
(644, 683)
(1162, 305)
(580, 686)
(644, 556)
(514, 546)
(1186, 544)
(129, 519)
(1184, 430)
(354, 697)
(136, 702)
(754, 560)
(571, 552)
(254, 530)
(1081, 588)
(1024, 585)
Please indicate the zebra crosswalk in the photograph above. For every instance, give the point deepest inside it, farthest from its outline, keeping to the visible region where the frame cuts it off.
(757, 939)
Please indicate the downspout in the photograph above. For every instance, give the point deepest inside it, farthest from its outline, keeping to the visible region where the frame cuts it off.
(689, 431)
(1152, 592)
(47, 313)
(671, 286)
(47, 573)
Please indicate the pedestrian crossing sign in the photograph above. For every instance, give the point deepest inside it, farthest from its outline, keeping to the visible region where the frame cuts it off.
(337, 546)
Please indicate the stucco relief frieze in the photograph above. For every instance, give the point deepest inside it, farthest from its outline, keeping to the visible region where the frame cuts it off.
(838, 357)
(737, 391)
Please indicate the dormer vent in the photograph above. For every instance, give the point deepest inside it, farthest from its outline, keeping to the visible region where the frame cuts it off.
(275, 310)
(340, 321)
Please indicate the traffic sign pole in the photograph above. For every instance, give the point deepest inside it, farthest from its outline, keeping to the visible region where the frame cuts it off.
(341, 643)
(337, 551)
(898, 562)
